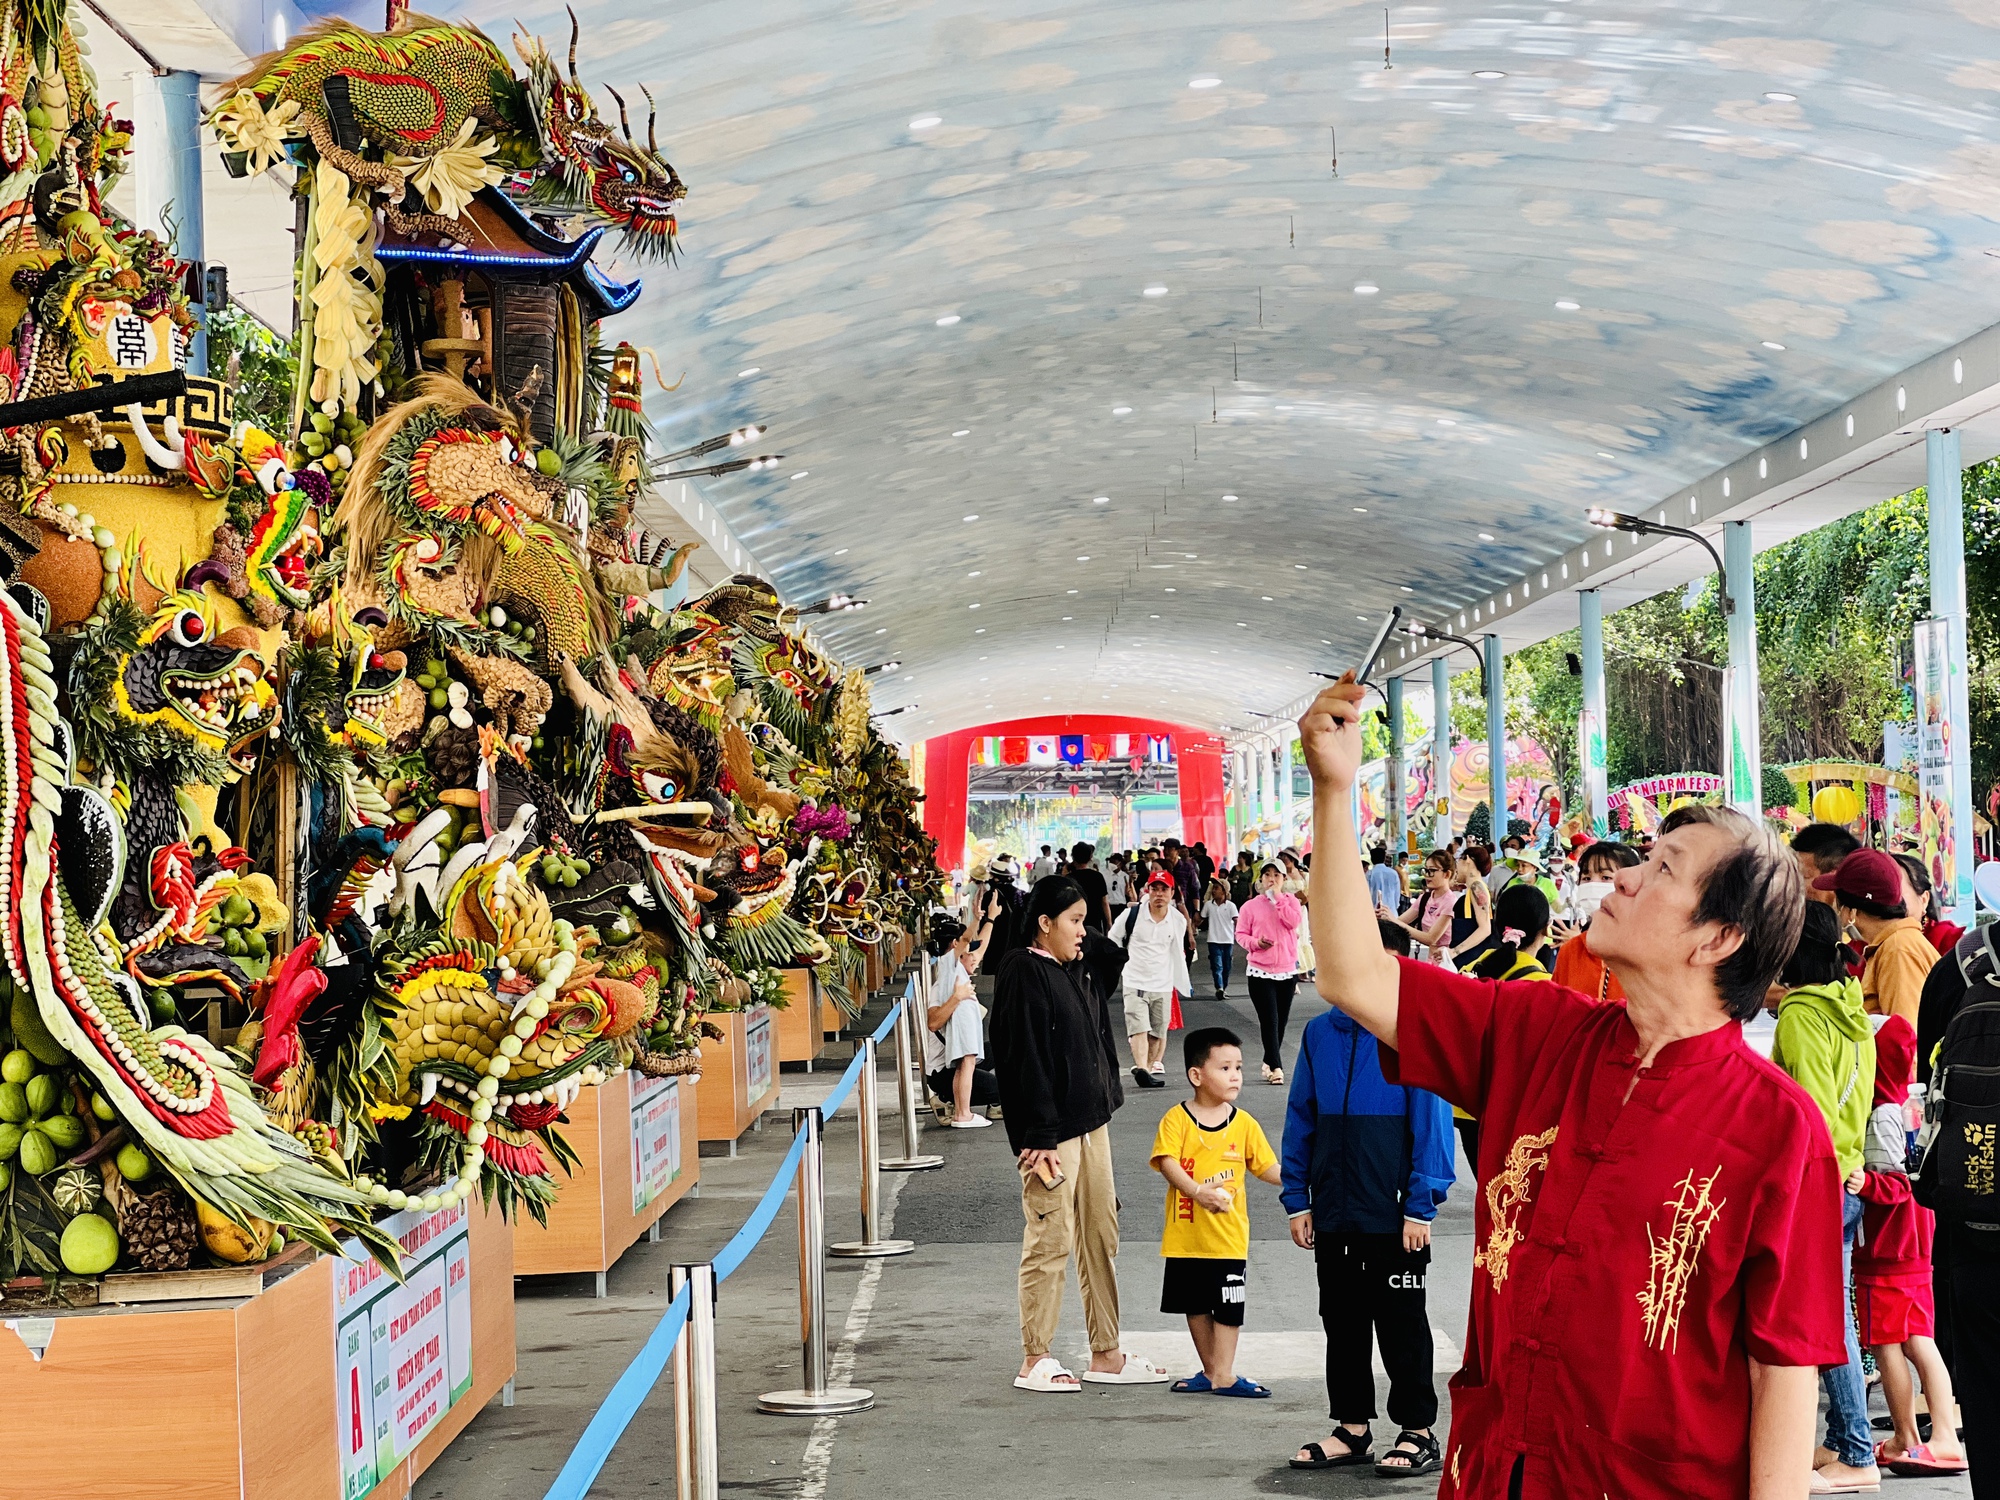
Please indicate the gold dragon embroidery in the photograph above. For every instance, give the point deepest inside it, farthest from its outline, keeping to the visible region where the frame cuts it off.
(1508, 1192)
(1671, 1266)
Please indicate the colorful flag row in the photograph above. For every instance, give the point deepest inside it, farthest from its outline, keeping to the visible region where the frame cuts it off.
(1072, 749)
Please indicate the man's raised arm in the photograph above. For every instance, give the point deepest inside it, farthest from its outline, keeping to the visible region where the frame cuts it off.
(1355, 972)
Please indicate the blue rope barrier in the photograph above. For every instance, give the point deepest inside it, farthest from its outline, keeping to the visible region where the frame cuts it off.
(587, 1459)
(733, 1254)
(852, 1076)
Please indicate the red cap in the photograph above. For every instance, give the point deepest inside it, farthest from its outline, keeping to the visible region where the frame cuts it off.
(1162, 881)
(1868, 874)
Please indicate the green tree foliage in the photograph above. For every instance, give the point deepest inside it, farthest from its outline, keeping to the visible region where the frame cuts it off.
(1834, 615)
(259, 364)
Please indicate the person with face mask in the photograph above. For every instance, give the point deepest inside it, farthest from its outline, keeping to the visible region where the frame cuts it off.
(1577, 968)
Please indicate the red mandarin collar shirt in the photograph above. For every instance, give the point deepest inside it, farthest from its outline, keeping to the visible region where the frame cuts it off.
(1631, 1255)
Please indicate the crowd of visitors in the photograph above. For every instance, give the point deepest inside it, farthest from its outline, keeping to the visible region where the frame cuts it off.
(1676, 1237)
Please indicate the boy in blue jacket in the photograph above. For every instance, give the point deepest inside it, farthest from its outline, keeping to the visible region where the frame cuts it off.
(1366, 1164)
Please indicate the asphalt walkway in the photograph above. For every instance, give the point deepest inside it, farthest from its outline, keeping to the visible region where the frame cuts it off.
(935, 1335)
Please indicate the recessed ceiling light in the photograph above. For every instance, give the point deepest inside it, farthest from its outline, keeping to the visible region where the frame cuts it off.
(802, 474)
(963, 432)
(1447, 422)
(947, 320)
(1774, 344)
(1407, 589)
(925, 122)
(1779, 96)
(1488, 74)
(972, 518)
(1121, 411)
(1228, 498)
(1361, 617)
(1154, 291)
(973, 574)
(1361, 510)
(746, 374)
(1084, 558)
(840, 552)
(1612, 456)
(972, 606)
(1203, 83)
(1300, 566)
(980, 631)
(1243, 624)
(1568, 306)
(1100, 500)
(1485, 536)
(1152, 617)
(1366, 289)
(1173, 591)
(1189, 556)
(1072, 591)
(1067, 618)
(1267, 599)
(882, 630)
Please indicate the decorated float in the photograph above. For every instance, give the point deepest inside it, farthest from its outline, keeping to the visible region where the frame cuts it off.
(376, 802)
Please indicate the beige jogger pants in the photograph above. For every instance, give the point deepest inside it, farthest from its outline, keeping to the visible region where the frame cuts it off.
(1080, 1216)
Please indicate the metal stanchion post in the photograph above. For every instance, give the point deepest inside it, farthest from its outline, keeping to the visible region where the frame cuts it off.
(909, 1076)
(814, 1398)
(695, 1474)
(871, 1246)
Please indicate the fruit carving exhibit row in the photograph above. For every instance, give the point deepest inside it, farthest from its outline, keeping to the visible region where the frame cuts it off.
(371, 782)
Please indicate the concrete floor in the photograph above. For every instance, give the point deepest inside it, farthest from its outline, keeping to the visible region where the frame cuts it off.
(935, 1335)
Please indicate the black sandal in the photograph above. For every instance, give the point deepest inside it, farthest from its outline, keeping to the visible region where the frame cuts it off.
(1357, 1444)
(1420, 1448)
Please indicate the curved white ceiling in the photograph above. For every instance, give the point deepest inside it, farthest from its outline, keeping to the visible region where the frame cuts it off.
(1582, 272)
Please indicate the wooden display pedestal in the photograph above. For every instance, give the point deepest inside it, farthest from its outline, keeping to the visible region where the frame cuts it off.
(801, 1024)
(739, 1074)
(245, 1398)
(637, 1155)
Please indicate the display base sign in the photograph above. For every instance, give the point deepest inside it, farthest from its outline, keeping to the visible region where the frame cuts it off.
(739, 1074)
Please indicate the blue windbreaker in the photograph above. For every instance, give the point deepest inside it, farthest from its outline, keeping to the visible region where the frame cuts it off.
(1361, 1152)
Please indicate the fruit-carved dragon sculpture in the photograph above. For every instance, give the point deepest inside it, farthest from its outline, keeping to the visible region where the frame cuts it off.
(64, 857)
(170, 699)
(588, 168)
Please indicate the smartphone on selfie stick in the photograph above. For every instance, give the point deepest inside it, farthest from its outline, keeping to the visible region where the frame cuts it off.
(1368, 658)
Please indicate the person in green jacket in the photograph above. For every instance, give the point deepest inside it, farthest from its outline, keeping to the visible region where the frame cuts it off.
(1827, 1044)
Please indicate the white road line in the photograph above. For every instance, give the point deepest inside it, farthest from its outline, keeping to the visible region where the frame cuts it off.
(840, 1366)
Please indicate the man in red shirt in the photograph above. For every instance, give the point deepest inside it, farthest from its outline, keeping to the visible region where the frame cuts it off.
(1657, 1273)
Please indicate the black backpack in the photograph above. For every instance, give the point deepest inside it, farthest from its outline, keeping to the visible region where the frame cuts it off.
(1959, 1145)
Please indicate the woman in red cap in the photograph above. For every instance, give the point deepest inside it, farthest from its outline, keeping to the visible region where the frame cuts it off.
(1867, 889)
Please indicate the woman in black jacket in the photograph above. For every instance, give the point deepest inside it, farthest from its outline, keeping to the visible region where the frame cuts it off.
(1054, 1051)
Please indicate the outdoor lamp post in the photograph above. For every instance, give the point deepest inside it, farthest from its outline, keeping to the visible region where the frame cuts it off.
(1617, 520)
(1425, 632)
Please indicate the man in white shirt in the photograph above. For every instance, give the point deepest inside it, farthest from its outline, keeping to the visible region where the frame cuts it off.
(1046, 865)
(1155, 938)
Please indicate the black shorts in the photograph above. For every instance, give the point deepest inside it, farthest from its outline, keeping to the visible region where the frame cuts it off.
(1214, 1288)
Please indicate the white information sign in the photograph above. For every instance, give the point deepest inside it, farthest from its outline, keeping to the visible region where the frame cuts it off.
(757, 1049)
(656, 1137)
(402, 1354)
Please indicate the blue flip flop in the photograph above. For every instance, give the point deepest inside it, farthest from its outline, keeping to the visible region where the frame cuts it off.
(1244, 1386)
(1197, 1383)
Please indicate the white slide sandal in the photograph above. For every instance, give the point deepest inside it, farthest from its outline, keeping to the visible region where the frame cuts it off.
(1137, 1370)
(1048, 1376)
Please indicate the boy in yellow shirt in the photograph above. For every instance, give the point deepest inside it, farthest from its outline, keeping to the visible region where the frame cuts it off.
(1207, 1150)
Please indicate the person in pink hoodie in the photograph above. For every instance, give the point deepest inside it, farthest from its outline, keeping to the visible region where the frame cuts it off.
(1892, 1274)
(1267, 933)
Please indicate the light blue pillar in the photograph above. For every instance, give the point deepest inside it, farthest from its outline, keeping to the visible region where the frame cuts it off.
(1591, 756)
(1285, 786)
(1441, 829)
(1496, 736)
(180, 98)
(1262, 754)
(1954, 747)
(1743, 739)
(1394, 793)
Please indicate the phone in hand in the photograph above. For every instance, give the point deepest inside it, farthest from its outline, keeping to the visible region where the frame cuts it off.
(1050, 1174)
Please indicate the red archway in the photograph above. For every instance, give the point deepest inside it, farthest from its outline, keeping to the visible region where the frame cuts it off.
(947, 760)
